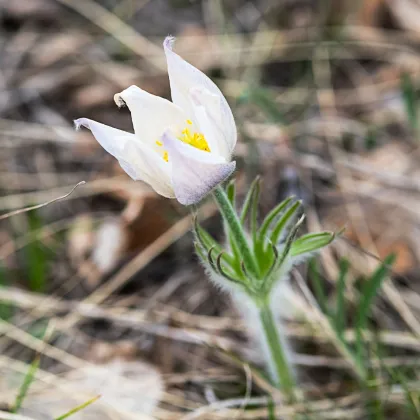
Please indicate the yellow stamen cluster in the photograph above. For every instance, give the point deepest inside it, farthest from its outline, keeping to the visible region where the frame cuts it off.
(196, 140)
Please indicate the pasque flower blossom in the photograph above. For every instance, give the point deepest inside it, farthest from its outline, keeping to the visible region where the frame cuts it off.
(183, 148)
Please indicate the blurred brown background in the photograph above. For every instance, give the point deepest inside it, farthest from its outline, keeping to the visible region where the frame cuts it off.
(326, 101)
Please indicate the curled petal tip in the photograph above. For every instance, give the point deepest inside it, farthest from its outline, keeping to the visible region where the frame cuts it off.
(80, 122)
(130, 91)
(169, 42)
(119, 101)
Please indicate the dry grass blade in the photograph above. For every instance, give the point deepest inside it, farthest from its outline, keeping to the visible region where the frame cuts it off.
(319, 105)
(38, 206)
(9, 416)
(124, 33)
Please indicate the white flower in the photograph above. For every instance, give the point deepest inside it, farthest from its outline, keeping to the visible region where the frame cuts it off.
(182, 148)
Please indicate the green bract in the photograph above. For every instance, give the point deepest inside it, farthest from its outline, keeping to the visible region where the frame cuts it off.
(257, 255)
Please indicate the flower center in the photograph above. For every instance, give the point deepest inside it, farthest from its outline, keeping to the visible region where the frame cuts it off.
(196, 140)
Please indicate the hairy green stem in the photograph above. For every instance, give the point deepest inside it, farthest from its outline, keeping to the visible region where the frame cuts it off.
(231, 219)
(284, 375)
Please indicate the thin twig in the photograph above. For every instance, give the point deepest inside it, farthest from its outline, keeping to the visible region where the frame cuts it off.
(38, 206)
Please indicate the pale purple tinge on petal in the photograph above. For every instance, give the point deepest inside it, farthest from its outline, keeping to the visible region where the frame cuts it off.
(151, 114)
(183, 77)
(193, 178)
(207, 111)
(138, 159)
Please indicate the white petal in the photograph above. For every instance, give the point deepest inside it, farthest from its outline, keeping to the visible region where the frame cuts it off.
(106, 136)
(138, 159)
(142, 163)
(151, 114)
(183, 76)
(207, 111)
(194, 172)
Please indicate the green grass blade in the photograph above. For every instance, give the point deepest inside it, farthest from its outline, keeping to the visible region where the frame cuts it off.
(36, 254)
(318, 286)
(6, 308)
(271, 408)
(369, 291)
(340, 312)
(410, 100)
(412, 401)
(78, 408)
(27, 381)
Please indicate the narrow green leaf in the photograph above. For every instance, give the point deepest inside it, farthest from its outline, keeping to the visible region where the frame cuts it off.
(205, 239)
(235, 227)
(200, 251)
(207, 242)
(249, 199)
(236, 259)
(231, 192)
(262, 254)
(272, 215)
(283, 222)
(286, 250)
(311, 242)
(27, 381)
(318, 286)
(340, 313)
(254, 209)
(78, 408)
